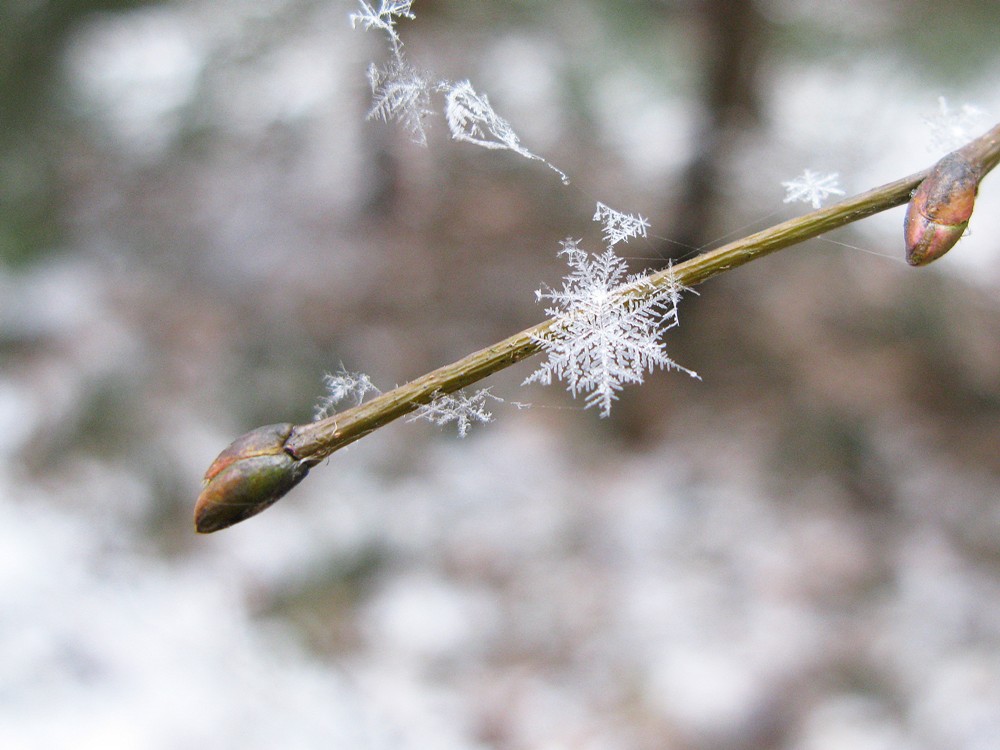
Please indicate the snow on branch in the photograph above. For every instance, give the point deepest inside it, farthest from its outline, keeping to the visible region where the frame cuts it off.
(811, 187)
(606, 335)
(618, 226)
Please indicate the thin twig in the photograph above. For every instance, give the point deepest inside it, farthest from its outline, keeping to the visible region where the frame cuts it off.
(315, 441)
(261, 466)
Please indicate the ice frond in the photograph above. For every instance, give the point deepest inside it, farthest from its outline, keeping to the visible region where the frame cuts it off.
(343, 386)
(471, 118)
(402, 93)
(608, 327)
(383, 18)
(618, 226)
(458, 407)
(951, 128)
(811, 187)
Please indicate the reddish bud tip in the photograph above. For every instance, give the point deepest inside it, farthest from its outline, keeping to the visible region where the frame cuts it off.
(939, 211)
(250, 475)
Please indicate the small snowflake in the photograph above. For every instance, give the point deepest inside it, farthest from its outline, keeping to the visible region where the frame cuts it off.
(401, 93)
(811, 187)
(950, 129)
(618, 226)
(608, 327)
(342, 386)
(458, 407)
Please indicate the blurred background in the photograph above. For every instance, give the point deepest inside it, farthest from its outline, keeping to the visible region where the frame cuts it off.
(800, 552)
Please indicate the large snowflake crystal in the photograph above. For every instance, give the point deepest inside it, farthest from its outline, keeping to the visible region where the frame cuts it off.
(608, 327)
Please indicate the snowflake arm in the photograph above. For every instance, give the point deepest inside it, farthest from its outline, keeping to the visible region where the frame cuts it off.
(606, 335)
(459, 408)
(811, 187)
(402, 93)
(342, 386)
(618, 226)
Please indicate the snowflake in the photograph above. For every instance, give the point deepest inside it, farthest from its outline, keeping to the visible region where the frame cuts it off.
(401, 93)
(471, 118)
(950, 129)
(341, 386)
(811, 187)
(384, 18)
(608, 327)
(459, 408)
(618, 226)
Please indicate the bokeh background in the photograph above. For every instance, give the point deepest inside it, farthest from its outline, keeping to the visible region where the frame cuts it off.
(800, 552)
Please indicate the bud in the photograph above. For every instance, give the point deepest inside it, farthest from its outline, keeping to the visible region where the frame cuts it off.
(939, 210)
(253, 473)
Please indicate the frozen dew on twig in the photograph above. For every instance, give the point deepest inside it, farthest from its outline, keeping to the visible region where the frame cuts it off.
(343, 386)
(812, 187)
(471, 118)
(952, 128)
(608, 327)
(619, 226)
(458, 407)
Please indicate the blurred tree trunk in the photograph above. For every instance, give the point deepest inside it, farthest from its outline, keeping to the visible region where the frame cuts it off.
(735, 38)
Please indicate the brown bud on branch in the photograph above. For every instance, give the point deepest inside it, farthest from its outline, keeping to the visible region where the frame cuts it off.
(251, 474)
(939, 211)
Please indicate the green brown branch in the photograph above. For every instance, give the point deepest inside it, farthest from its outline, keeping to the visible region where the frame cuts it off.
(252, 476)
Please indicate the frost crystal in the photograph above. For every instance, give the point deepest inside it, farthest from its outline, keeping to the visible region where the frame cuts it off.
(384, 18)
(618, 226)
(472, 118)
(811, 187)
(951, 129)
(342, 386)
(608, 327)
(401, 93)
(459, 408)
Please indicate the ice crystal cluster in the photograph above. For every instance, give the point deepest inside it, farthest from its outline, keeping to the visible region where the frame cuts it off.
(608, 327)
(401, 93)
